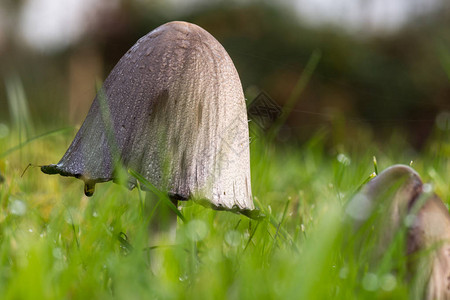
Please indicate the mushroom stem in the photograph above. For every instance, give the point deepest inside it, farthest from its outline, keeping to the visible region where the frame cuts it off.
(162, 219)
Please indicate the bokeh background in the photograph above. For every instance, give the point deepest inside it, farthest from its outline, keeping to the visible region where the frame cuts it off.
(384, 65)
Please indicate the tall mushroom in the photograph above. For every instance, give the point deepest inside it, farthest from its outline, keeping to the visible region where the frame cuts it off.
(401, 191)
(173, 110)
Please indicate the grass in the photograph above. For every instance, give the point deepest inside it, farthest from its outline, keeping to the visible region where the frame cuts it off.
(55, 243)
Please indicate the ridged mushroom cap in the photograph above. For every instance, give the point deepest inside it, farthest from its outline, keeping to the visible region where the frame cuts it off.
(173, 110)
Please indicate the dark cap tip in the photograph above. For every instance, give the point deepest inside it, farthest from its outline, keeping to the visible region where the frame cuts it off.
(50, 169)
(89, 188)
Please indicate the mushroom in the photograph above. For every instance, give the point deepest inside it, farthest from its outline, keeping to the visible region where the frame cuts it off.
(431, 230)
(401, 192)
(172, 110)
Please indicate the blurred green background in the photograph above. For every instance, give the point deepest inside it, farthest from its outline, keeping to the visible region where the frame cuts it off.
(380, 89)
(384, 65)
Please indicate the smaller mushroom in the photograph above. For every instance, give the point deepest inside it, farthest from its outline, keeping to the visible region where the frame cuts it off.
(398, 192)
(431, 231)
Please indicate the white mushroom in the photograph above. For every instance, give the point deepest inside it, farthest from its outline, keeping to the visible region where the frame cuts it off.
(173, 110)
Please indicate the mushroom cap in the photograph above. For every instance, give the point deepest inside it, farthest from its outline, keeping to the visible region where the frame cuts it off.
(396, 176)
(394, 187)
(401, 189)
(173, 110)
(398, 186)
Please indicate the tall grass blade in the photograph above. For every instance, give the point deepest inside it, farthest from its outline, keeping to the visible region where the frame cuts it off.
(18, 107)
